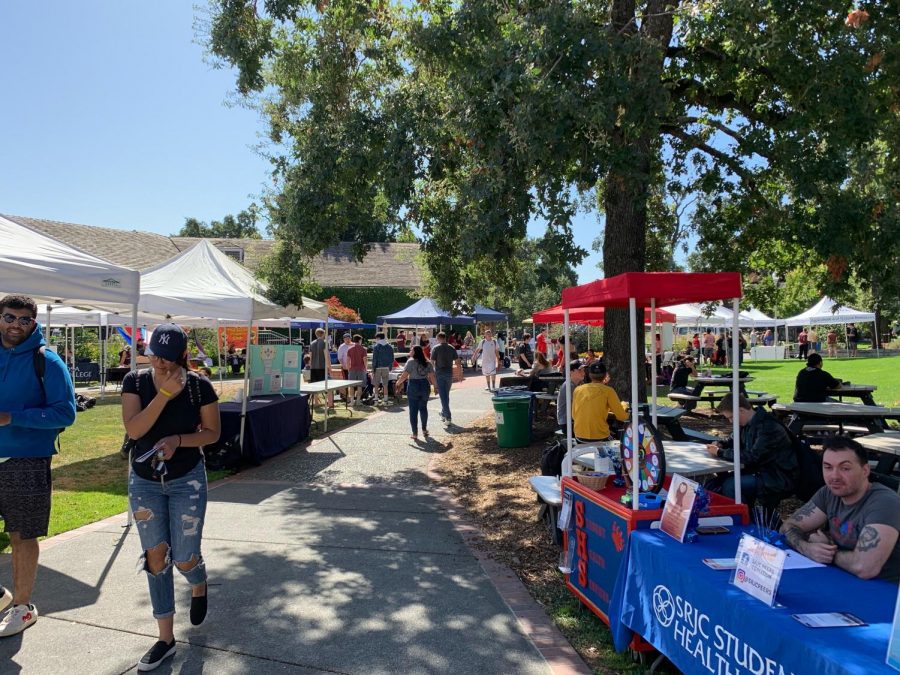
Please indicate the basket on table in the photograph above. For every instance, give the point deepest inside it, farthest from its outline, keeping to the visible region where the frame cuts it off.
(592, 480)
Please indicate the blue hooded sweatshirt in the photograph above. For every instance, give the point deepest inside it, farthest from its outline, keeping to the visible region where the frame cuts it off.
(35, 422)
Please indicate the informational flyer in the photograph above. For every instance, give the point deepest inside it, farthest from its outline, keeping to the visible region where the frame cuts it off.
(291, 359)
(759, 568)
(829, 620)
(679, 503)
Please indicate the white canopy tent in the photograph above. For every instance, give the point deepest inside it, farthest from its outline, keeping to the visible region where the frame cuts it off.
(693, 314)
(203, 285)
(826, 311)
(54, 273)
(761, 319)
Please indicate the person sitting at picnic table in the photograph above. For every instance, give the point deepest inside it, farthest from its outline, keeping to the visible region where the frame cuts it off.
(541, 367)
(576, 377)
(813, 383)
(767, 453)
(685, 370)
(591, 404)
(850, 522)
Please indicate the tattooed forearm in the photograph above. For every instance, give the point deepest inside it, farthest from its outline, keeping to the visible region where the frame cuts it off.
(794, 535)
(868, 539)
(804, 511)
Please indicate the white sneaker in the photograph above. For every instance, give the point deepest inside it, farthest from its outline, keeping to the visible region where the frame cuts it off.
(6, 598)
(18, 619)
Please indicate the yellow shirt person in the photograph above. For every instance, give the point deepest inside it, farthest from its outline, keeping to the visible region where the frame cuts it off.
(592, 403)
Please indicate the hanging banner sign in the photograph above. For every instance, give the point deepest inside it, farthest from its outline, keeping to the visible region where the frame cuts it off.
(236, 335)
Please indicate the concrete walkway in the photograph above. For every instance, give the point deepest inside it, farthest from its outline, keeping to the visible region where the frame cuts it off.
(336, 557)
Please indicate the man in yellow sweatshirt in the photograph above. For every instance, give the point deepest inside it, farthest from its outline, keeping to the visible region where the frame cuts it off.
(591, 404)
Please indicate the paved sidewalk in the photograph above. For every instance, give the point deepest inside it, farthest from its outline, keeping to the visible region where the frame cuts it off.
(340, 557)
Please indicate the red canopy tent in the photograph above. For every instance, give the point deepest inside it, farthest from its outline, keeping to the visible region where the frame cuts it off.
(591, 316)
(643, 289)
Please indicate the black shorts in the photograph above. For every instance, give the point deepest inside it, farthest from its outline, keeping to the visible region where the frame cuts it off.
(316, 374)
(25, 496)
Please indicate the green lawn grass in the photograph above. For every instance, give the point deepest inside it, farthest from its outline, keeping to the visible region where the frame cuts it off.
(90, 478)
(777, 377)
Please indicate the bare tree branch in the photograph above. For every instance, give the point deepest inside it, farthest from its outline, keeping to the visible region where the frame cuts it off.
(725, 129)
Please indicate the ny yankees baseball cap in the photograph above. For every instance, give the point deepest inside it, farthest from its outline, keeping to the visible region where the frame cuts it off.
(167, 342)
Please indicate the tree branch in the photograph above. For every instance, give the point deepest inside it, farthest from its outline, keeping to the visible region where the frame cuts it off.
(710, 54)
(695, 93)
(725, 129)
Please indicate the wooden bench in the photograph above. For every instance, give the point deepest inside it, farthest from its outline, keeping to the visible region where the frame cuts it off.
(549, 496)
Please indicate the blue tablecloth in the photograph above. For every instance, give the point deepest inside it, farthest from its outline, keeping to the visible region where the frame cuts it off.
(274, 424)
(703, 624)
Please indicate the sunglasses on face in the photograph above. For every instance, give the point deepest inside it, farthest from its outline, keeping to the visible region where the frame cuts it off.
(24, 321)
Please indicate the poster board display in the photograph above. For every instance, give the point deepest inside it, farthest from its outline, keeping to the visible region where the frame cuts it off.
(275, 369)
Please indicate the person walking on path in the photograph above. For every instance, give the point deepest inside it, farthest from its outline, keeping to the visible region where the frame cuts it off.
(37, 401)
(444, 357)
(318, 359)
(171, 413)
(831, 340)
(382, 361)
(802, 344)
(420, 373)
(356, 368)
(489, 355)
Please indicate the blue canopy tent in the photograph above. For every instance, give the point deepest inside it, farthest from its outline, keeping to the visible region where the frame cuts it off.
(487, 315)
(424, 312)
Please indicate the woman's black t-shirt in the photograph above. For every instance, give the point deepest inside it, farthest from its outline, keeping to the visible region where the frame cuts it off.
(180, 416)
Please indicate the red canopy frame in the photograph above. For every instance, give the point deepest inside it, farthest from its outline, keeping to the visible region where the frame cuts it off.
(643, 289)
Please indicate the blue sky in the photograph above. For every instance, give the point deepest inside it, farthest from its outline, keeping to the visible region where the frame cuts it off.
(112, 117)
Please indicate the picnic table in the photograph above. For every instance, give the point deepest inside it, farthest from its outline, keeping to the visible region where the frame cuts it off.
(683, 457)
(886, 444)
(860, 391)
(871, 417)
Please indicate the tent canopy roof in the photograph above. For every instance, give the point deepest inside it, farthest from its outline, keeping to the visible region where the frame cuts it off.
(487, 315)
(424, 312)
(50, 271)
(667, 288)
(825, 311)
(204, 283)
(592, 316)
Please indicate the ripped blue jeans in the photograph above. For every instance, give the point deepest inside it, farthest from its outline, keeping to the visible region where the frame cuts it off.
(170, 512)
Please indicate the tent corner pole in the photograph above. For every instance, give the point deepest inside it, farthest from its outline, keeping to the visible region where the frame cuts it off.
(567, 466)
(653, 377)
(246, 380)
(219, 343)
(735, 399)
(635, 441)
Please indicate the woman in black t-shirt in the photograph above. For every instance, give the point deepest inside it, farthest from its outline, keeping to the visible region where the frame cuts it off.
(171, 413)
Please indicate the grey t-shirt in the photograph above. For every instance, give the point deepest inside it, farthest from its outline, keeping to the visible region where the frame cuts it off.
(317, 349)
(879, 506)
(561, 408)
(443, 356)
(416, 371)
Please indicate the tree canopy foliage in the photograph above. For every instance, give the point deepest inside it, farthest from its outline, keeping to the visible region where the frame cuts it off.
(467, 118)
(241, 226)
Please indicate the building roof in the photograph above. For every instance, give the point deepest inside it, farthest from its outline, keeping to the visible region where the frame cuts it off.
(386, 265)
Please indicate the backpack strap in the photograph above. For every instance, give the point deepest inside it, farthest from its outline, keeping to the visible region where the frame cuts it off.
(39, 361)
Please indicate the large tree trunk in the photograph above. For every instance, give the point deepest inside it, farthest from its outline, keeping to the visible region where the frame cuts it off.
(626, 185)
(624, 250)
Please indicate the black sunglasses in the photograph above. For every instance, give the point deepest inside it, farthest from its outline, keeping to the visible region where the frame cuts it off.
(24, 321)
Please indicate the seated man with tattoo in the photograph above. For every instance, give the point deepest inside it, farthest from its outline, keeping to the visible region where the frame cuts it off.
(849, 522)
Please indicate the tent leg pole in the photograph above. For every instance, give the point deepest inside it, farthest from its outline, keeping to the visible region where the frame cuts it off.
(735, 390)
(653, 368)
(219, 342)
(635, 442)
(246, 380)
(567, 465)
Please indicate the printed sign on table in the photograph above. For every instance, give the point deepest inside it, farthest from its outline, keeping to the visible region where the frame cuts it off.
(679, 504)
(759, 568)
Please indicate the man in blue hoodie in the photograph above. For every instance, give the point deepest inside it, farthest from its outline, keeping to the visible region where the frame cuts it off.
(33, 410)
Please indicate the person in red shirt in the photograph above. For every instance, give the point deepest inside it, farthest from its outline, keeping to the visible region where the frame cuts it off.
(541, 343)
(401, 341)
(357, 357)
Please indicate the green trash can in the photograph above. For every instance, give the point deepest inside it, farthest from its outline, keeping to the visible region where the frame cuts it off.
(513, 420)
